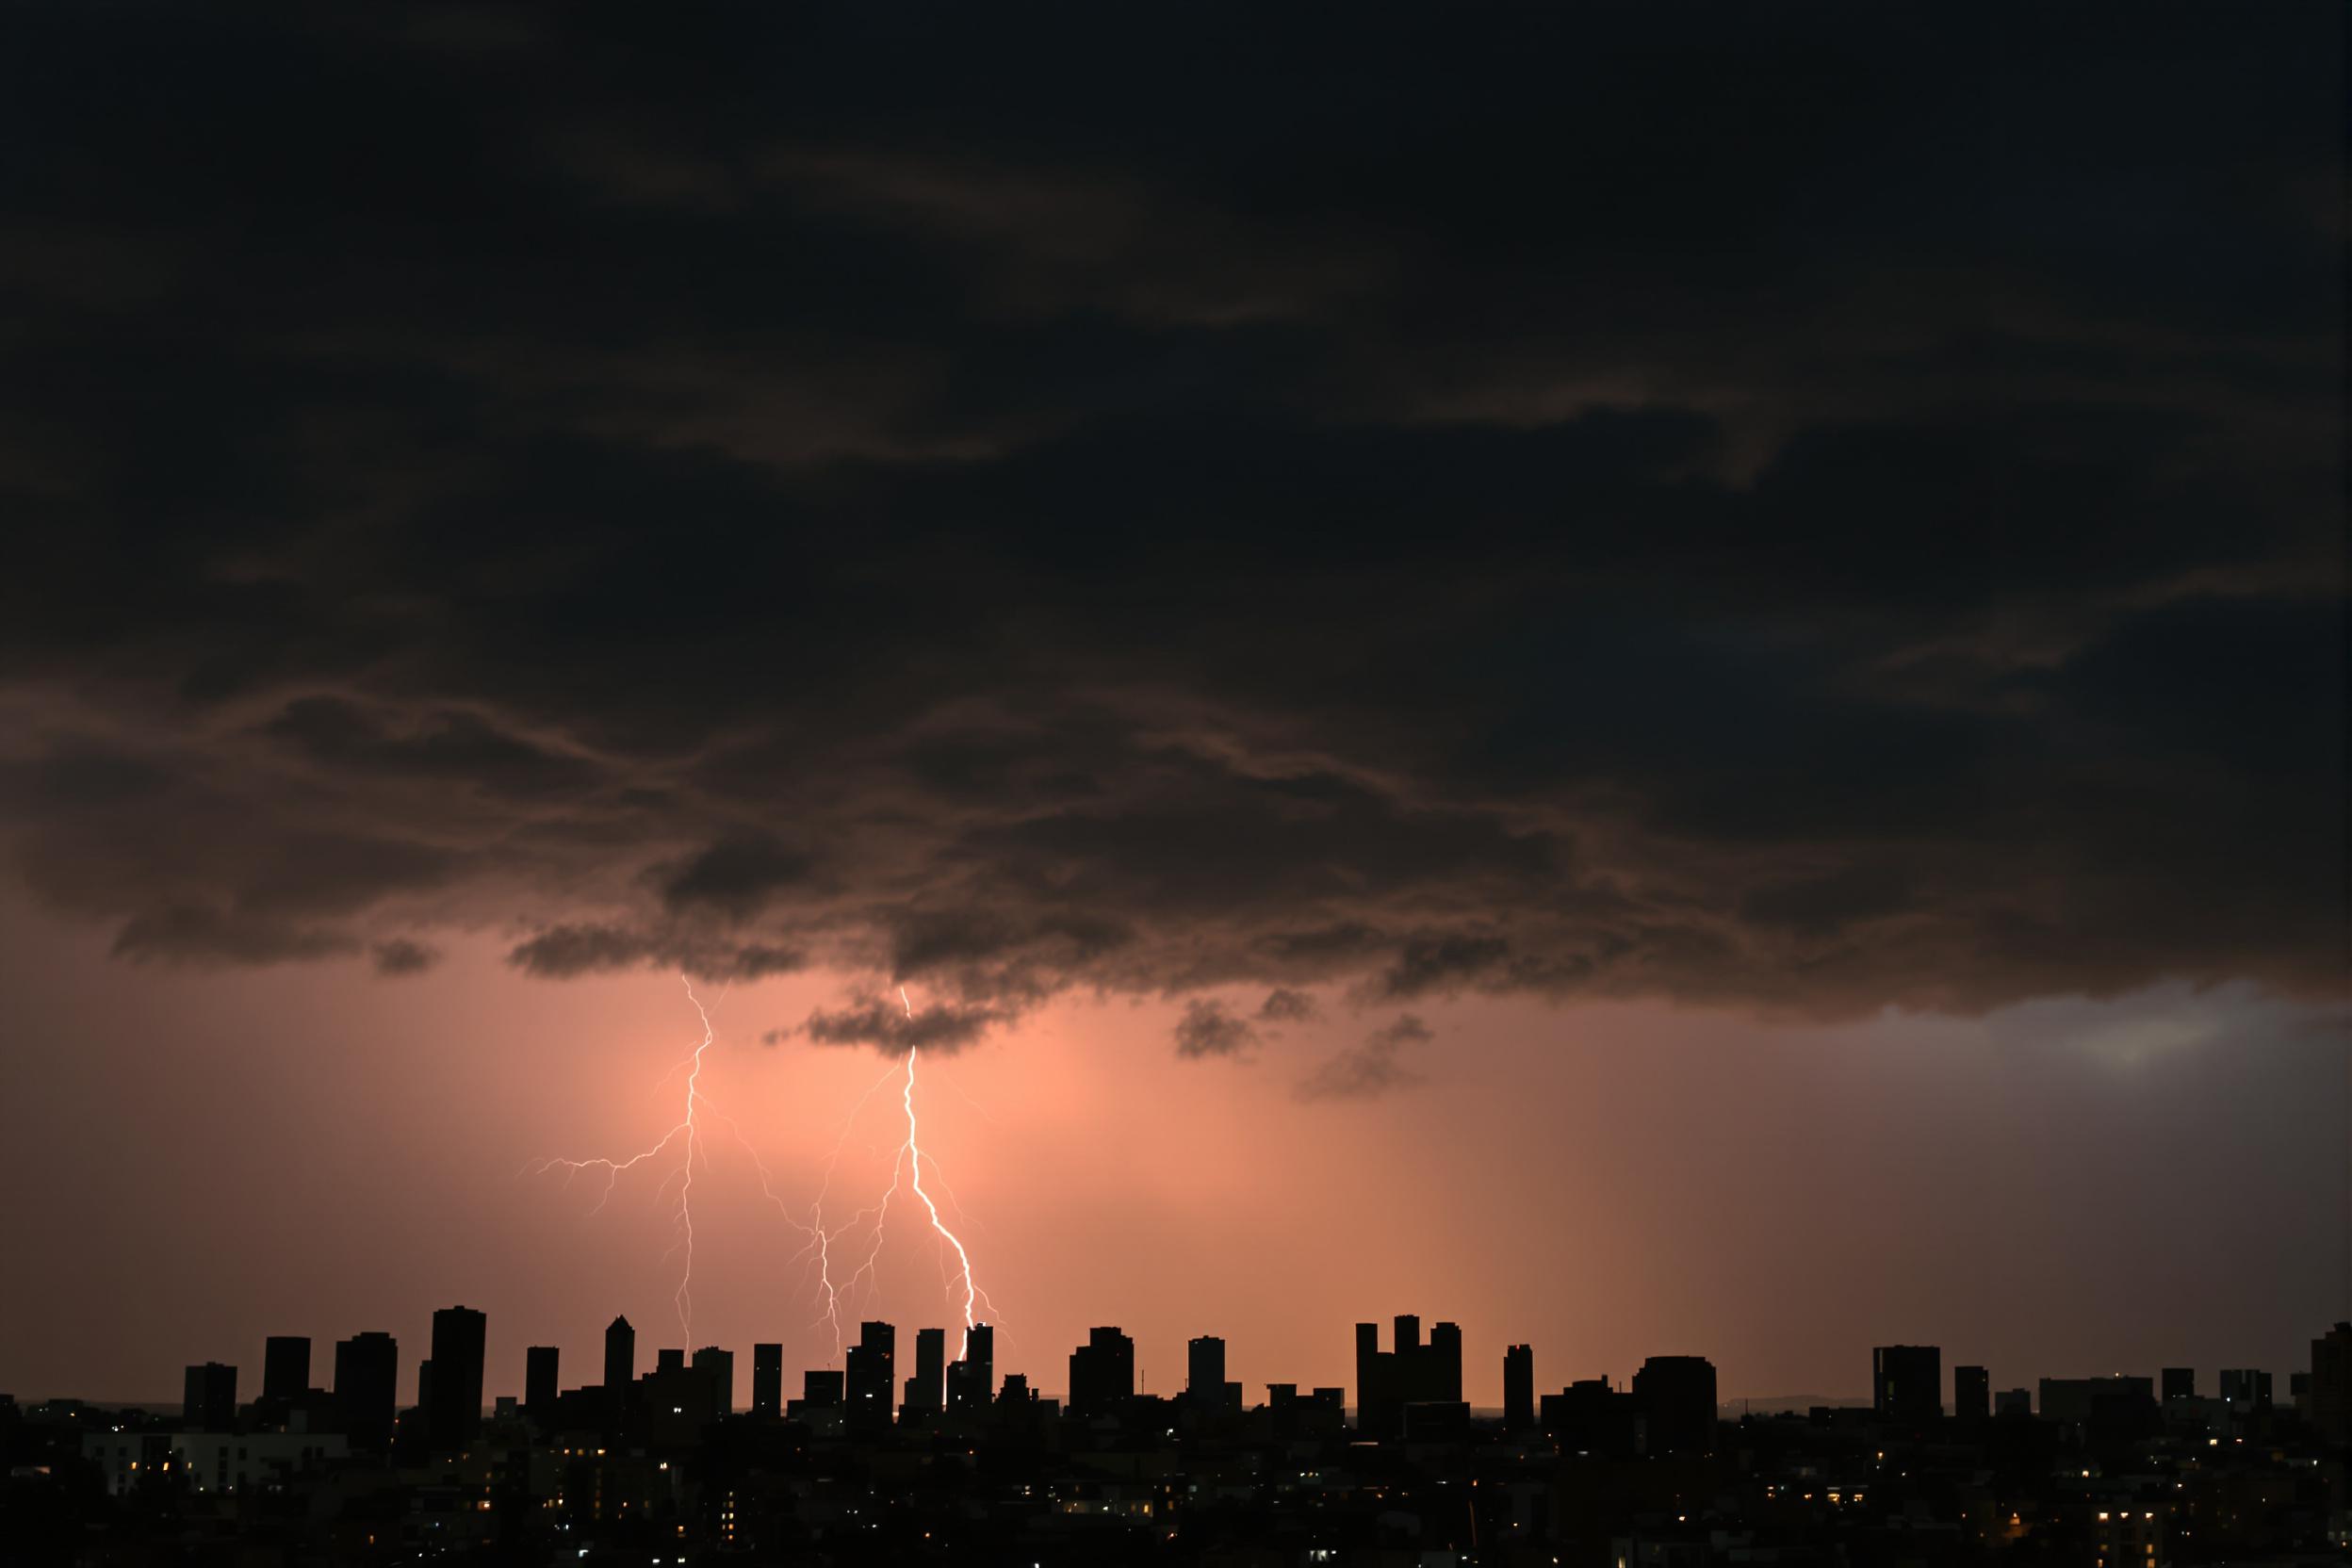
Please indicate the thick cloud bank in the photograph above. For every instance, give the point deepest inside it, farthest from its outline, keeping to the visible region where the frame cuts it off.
(1793, 514)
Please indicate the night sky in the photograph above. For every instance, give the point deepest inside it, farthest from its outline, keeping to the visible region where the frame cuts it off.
(1666, 680)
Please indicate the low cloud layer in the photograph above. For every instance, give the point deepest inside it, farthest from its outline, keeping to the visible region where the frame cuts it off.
(1854, 564)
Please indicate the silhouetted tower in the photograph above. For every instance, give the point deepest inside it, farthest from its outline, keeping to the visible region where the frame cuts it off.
(971, 1380)
(927, 1392)
(1407, 1332)
(1444, 1361)
(869, 1375)
(208, 1401)
(767, 1380)
(1101, 1373)
(1519, 1388)
(1907, 1382)
(1971, 1392)
(1204, 1372)
(286, 1366)
(455, 1417)
(620, 1358)
(2180, 1382)
(539, 1382)
(719, 1366)
(670, 1358)
(367, 1387)
(821, 1388)
(2331, 1384)
(1674, 1397)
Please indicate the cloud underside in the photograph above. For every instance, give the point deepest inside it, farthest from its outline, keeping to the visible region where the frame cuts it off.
(1844, 564)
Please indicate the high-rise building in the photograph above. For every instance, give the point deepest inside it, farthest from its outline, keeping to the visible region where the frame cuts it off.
(718, 1367)
(2178, 1382)
(208, 1402)
(927, 1392)
(2331, 1384)
(670, 1358)
(286, 1366)
(970, 1379)
(455, 1415)
(2245, 1387)
(1675, 1401)
(1412, 1373)
(367, 1388)
(821, 1388)
(870, 1375)
(620, 1357)
(767, 1380)
(1519, 1388)
(1204, 1372)
(1971, 1392)
(539, 1382)
(1101, 1373)
(1907, 1382)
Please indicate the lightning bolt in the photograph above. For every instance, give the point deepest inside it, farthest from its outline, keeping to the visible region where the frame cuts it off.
(684, 1174)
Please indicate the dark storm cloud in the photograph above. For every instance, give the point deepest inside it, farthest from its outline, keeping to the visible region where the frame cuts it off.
(1208, 1030)
(1370, 1067)
(1805, 513)
(402, 957)
(890, 1026)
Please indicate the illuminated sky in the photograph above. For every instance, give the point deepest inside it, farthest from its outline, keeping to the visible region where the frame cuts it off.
(1661, 688)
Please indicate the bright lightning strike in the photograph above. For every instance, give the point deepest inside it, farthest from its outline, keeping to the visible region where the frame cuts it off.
(683, 1297)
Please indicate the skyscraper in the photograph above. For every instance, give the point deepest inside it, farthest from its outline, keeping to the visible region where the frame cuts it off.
(284, 1366)
(208, 1400)
(1204, 1372)
(869, 1375)
(367, 1387)
(1519, 1388)
(1907, 1382)
(970, 1380)
(926, 1391)
(2331, 1384)
(1971, 1392)
(719, 1368)
(1101, 1373)
(1412, 1373)
(1673, 1397)
(539, 1382)
(455, 1415)
(2178, 1382)
(620, 1358)
(767, 1380)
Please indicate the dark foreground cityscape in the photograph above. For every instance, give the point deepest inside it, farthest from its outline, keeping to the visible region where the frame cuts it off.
(948, 1464)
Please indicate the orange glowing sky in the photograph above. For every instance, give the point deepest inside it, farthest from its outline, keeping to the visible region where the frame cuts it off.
(314, 1151)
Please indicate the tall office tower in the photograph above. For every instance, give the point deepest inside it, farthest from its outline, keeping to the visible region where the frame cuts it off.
(367, 1388)
(926, 1391)
(1204, 1372)
(2331, 1384)
(2180, 1382)
(455, 1416)
(1971, 1392)
(970, 1380)
(670, 1359)
(1367, 1371)
(1101, 1373)
(1907, 1382)
(208, 1402)
(1443, 1359)
(767, 1380)
(2246, 1387)
(1519, 1388)
(286, 1366)
(821, 1388)
(1408, 1331)
(620, 1356)
(870, 1375)
(1674, 1397)
(719, 1366)
(539, 1382)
